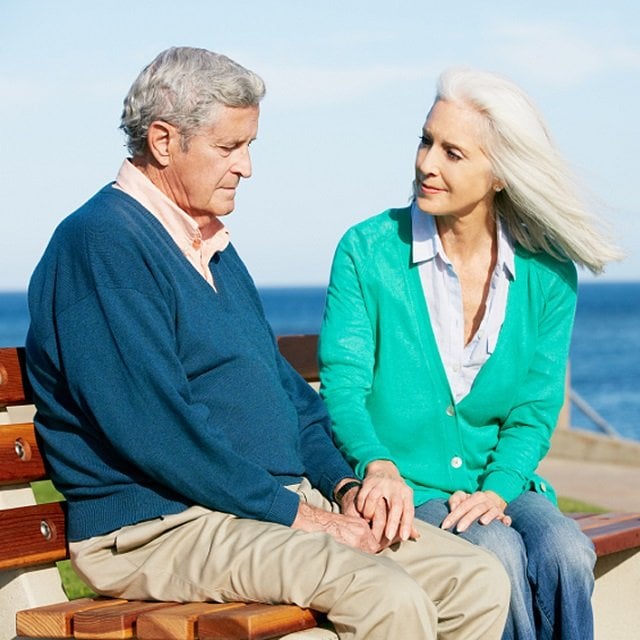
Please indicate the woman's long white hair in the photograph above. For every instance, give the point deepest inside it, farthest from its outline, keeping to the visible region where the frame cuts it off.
(539, 204)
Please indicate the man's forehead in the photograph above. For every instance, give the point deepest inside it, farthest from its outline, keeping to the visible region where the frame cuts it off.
(238, 121)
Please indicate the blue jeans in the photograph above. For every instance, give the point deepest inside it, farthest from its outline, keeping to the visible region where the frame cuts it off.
(549, 561)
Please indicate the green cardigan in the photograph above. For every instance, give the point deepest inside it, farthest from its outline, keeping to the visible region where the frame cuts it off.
(386, 388)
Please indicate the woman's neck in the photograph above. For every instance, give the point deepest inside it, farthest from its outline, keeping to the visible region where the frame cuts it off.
(467, 238)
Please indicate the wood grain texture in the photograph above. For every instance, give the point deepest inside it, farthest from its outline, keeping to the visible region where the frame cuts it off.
(256, 622)
(112, 623)
(14, 384)
(56, 620)
(20, 459)
(179, 622)
(22, 535)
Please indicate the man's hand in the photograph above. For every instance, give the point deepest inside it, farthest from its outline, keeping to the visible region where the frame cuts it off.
(483, 506)
(386, 501)
(352, 530)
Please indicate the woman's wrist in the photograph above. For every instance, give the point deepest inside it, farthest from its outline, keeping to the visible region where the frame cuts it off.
(382, 467)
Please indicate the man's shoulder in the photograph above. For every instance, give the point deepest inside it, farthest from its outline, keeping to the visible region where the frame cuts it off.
(104, 213)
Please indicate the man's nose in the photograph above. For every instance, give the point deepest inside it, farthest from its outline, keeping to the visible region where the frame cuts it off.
(242, 164)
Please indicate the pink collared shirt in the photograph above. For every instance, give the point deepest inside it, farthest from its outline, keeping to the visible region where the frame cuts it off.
(179, 225)
(443, 294)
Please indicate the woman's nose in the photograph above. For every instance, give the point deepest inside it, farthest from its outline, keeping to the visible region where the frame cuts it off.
(426, 161)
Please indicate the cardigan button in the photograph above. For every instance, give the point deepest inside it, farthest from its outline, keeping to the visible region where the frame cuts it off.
(456, 462)
(451, 410)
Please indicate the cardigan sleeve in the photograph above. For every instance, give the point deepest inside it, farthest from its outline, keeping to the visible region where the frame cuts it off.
(346, 355)
(525, 433)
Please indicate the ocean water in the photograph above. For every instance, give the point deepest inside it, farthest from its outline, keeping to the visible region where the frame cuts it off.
(605, 348)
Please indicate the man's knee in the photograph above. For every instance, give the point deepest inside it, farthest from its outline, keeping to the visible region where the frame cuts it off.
(385, 602)
(494, 577)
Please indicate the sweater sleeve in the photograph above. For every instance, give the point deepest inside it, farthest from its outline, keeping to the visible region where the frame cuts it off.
(324, 464)
(346, 355)
(525, 434)
(121, 363)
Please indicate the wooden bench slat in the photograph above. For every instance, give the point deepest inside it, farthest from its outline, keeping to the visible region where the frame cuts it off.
(20, 459)
(256, 622)
(611, 532)
(589, 521)
(32, 535)
(301, 352)
(179, 622)
(56, 620)
(14, 384)
(112, 623)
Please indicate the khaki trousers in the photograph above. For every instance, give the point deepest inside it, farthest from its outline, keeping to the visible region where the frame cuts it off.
(436, 587)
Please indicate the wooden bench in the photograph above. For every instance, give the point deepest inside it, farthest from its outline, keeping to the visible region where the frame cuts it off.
(32, 539)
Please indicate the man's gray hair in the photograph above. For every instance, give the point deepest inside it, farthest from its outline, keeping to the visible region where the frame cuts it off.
(183, 86)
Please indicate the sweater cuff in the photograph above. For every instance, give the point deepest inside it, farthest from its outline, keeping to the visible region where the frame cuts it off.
(365, 457)
(284, 507)
(507, 485)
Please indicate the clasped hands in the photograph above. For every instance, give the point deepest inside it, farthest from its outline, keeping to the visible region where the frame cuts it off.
(381, 512)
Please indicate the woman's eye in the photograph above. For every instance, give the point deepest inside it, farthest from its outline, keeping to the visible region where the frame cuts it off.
(425, 140)
(453, 155)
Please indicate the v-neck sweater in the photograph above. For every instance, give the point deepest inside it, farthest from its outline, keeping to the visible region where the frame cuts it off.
(384, 383)
(154, 392)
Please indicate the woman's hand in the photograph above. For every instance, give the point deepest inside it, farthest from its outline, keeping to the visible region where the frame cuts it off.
(483, 506)
(386, 501)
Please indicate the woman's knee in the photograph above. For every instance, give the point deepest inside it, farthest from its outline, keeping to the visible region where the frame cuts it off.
(563, 547)
(504, 542)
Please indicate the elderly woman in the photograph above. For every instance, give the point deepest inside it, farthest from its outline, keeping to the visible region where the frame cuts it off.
(445, 340)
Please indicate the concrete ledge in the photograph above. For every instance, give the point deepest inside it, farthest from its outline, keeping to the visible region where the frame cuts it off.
(578, 444)
(615, 598)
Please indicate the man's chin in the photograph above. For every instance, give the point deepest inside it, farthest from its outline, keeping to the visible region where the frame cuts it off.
(224, 208)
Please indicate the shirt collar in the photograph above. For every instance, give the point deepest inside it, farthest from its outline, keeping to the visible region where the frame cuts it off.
(426, 244)
(179, 224)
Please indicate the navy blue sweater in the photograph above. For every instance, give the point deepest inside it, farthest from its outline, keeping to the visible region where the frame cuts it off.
(153, 391)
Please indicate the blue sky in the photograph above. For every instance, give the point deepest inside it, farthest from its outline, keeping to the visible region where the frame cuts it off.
(348, 86)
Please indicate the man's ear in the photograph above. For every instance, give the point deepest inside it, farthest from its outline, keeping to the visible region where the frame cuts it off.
(161, 137)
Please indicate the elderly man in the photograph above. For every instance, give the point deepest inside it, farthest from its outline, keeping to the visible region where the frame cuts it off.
(196, 463)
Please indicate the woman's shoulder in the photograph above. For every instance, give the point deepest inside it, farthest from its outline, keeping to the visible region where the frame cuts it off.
(390, 224)
(547, 269)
